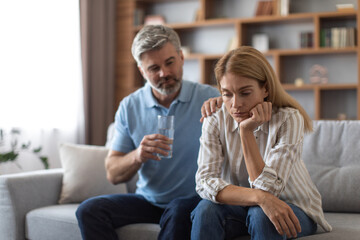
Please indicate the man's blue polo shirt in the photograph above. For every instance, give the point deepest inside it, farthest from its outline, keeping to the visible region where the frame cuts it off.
(162, 181)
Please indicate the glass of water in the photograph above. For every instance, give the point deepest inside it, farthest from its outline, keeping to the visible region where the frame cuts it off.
(166, 128)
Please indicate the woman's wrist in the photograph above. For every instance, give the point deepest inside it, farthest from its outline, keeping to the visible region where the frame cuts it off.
(260, 196)
(245, 132)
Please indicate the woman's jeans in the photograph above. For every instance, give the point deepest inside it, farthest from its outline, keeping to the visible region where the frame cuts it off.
(217, 221)
(98, 217)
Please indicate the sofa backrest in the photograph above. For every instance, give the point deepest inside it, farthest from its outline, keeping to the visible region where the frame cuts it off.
(332, 156)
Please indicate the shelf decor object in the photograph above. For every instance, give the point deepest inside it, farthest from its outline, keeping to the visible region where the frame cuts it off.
(260, 42)
(345, 7)
(318, 74)
(154, 20)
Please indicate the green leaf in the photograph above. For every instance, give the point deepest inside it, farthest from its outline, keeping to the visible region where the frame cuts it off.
(44, 161)
(37, 150)
(25, 146)
(9, 156)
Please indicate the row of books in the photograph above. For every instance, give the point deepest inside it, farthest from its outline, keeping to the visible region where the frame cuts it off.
(338, 37)
(268, 7)
(264, 8)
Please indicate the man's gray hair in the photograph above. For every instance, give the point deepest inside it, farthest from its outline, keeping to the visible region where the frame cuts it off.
(153, 37)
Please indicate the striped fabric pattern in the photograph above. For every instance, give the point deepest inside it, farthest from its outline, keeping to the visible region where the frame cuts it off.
(221, 161)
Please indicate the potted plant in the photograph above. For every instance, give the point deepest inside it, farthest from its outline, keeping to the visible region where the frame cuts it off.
(15, 149)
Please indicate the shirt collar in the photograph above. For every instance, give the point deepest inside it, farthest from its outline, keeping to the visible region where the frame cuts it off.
(184, 96)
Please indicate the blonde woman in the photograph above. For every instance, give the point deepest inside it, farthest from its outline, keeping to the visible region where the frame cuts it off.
(250, 172)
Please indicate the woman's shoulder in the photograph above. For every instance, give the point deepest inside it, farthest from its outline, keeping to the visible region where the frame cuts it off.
(281, 115)
(220, 118)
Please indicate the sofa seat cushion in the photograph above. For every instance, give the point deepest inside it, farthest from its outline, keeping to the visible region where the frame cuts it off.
(57, 222)
(345, 226)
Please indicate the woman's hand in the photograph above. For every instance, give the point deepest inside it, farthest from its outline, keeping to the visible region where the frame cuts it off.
(260, 114)
(209, 107)
(280, 214)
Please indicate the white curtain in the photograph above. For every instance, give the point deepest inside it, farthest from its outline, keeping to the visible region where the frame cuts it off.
(40, 77)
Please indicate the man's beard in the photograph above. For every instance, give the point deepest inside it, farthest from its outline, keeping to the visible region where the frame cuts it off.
(166, 90)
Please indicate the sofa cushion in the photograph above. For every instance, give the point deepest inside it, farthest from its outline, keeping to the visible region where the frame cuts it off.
(57, 222)
(84, 173)
(332, 156)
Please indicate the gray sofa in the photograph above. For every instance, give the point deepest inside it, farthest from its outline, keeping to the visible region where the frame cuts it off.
(29, 208)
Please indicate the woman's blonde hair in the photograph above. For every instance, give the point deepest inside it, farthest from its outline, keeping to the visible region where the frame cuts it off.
(249, 62)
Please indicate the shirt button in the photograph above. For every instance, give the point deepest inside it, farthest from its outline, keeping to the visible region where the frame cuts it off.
(278, 181)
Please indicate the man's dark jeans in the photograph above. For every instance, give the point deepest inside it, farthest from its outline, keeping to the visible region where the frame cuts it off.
(98, 217)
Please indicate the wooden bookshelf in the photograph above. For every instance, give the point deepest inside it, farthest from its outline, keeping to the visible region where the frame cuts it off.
(243, 27)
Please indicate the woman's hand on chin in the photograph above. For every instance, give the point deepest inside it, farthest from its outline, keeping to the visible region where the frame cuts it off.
(260, 114)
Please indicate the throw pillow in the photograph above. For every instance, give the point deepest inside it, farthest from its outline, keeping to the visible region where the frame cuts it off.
(84, 173)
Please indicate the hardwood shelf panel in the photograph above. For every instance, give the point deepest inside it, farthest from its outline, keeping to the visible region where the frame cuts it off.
(259, 19)
(292, 87)
(337, 14)
(197, 24)
(283, 52)
(163, 1)
(330, 86)
(310, 51)
(297, 16)
(338, 86)
(202, 56)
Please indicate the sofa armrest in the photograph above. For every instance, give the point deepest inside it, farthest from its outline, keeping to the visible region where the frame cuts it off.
(23, 192)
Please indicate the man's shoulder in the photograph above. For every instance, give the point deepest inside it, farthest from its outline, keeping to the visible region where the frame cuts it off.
(135, 96)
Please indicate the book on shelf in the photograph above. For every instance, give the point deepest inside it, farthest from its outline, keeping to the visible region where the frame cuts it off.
(138, 17)
(264, 8)
(306, 39)
(282, 7)
(338, 37)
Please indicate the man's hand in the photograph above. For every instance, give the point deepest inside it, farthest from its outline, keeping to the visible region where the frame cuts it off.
(260, 114)
(150, 145)
(209, 107)
(281, 215)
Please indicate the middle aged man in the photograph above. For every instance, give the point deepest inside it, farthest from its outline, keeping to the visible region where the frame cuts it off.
(166, 187)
